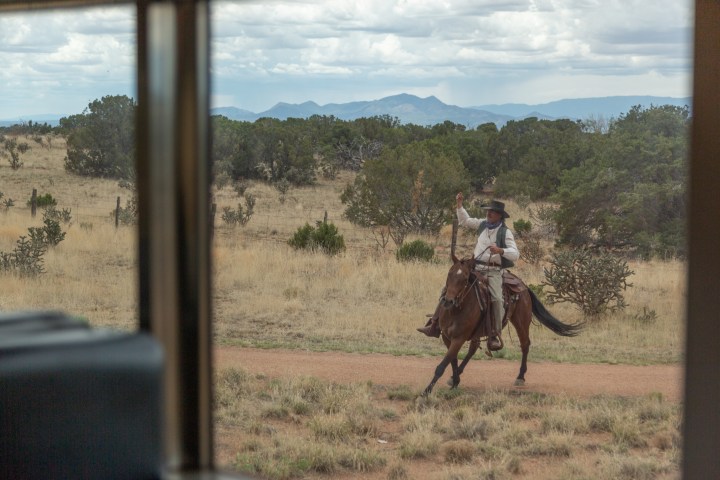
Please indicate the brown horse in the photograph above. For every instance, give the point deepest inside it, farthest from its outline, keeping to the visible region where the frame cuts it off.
(465, 317)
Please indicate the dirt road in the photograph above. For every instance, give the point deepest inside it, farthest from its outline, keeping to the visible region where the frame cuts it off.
(388, 370)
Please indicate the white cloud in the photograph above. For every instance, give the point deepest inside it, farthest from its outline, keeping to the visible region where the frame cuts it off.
(463, 51)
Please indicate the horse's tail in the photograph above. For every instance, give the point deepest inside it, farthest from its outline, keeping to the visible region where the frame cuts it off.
(547, 319)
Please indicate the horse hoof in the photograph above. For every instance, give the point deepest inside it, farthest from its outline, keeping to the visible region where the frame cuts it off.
(519, 382)
(452, 384)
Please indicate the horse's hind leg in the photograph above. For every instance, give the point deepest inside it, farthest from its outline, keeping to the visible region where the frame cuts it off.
(520, 380)
(522, 327)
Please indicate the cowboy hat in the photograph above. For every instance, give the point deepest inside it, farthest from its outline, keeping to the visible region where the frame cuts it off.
(496, 206)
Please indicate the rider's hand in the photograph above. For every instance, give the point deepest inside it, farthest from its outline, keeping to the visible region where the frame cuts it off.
(459, 199)
(495, 250)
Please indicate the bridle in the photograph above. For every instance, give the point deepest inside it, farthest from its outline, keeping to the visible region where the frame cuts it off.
(458, 300)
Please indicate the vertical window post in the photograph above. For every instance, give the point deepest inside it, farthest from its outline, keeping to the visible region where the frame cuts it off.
(173, 194)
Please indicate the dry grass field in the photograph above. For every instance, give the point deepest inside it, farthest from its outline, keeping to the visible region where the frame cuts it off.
(303, 427)
(268, 295)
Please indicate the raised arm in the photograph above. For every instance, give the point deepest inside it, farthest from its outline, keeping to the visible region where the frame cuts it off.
(463, 217)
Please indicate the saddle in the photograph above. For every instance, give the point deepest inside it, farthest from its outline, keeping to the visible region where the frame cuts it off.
(512, 287)
(512, 283)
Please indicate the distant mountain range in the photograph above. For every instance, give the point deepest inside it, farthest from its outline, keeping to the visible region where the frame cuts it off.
(431, 111)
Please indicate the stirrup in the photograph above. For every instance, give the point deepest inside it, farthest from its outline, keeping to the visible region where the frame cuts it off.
(492, 345)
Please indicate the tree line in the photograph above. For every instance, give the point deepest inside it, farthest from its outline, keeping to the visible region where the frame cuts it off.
(618, 184)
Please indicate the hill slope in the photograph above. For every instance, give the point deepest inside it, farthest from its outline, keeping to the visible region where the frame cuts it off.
(431, 111)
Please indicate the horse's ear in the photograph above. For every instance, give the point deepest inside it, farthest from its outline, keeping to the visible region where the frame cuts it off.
(454, 258)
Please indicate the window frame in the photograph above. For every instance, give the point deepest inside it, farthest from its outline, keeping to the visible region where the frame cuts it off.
(173, 179)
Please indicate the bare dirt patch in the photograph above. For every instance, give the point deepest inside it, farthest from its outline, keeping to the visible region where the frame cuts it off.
(546, 377)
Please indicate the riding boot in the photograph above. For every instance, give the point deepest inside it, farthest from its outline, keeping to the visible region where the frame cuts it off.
(432, 327)
(494, 343)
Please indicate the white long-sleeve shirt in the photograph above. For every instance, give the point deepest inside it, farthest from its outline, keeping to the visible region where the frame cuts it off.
(486, 238)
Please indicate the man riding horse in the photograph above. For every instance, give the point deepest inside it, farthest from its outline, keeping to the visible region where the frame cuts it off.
(495, 250)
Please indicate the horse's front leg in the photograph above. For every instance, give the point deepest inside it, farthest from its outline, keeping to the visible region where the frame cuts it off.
(451, 354)
(439, 370)
(455, 379)
(474, 345)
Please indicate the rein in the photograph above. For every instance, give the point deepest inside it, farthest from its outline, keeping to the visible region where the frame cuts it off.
(466, 290)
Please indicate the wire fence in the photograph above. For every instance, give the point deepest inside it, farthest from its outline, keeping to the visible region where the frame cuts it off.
(83, 213)
(265, 228)
(279, 229)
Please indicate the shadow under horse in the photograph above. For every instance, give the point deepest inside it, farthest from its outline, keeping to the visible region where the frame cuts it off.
(466, 316)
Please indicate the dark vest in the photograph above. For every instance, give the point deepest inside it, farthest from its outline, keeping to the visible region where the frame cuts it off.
(499, 241)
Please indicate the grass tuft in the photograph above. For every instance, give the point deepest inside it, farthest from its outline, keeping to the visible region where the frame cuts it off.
(419, 444)
(398, 471)
(458, 451)
(401, 392)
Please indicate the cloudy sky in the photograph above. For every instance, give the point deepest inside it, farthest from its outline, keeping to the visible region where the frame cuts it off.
(464, 52)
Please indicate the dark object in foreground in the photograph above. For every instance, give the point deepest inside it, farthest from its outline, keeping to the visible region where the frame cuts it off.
(77, 402)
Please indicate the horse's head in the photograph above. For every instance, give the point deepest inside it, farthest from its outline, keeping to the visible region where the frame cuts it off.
(459, 279)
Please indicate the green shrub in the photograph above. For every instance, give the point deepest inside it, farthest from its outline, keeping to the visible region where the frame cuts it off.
(593, 282)
(49, 235)
(538, 290)
(25, 259)
(241, 186)
(64, 215)
(416, 250)
(324, 238)
(127, 215)
(522, 227)
(282, 186)
(241, 216)
(530, 249)
(7, 203)
(14, 150)
(43, 201)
